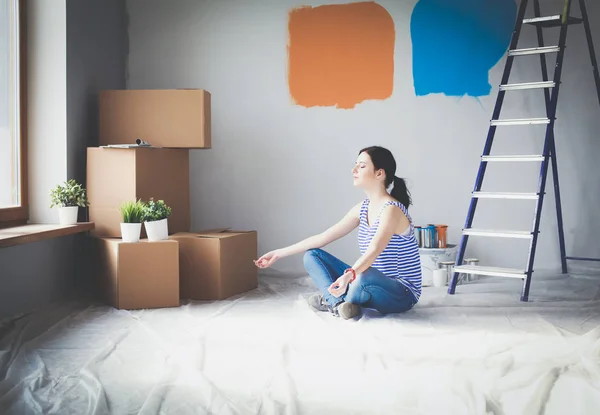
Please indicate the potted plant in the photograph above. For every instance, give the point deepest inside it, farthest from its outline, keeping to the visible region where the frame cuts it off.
(69, 197)
(155, 219)
(133, 215)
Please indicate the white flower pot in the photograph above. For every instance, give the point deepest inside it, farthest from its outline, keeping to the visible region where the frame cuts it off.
(157, 230)
(67, 215)
(130, 232)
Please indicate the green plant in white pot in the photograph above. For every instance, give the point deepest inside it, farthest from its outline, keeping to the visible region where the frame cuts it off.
(69, 197)
(133, 216)
(155, 219)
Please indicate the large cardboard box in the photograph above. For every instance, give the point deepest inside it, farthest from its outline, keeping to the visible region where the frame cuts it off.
(176, 118)
(214, 265)
(138, 275)
(116, 175)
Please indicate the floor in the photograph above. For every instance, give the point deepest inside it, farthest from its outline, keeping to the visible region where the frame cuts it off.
(478, 352)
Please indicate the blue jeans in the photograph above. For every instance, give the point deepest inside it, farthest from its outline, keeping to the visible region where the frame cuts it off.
(371, 289)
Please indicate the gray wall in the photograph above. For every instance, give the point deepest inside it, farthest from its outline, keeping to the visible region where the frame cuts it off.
(86, 44)
(96, 54)
(36, 273)
(285, 170)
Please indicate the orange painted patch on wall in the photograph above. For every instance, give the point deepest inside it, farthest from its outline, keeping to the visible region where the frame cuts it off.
(340, 55)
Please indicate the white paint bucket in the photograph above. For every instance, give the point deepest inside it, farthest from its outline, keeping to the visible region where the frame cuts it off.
(439, 277)
(431, 258)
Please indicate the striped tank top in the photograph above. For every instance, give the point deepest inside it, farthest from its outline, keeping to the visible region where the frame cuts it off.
(400, 259)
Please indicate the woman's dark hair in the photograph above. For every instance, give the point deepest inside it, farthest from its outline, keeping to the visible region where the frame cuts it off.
(382, 158)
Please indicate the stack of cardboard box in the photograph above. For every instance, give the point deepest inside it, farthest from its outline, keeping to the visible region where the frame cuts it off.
(210, 265)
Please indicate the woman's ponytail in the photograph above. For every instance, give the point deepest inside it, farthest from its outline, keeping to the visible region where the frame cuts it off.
(400, 192)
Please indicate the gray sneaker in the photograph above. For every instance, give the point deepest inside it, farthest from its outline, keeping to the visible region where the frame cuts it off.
(317, 301)
(348, 310)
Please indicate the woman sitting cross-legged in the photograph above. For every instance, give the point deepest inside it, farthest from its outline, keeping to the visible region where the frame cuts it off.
(387, 276)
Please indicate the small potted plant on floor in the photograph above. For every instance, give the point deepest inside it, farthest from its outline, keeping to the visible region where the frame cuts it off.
(69, 197)
(155, 219)
(133, 215)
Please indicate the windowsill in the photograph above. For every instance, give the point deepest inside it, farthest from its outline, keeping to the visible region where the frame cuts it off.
(35, 232)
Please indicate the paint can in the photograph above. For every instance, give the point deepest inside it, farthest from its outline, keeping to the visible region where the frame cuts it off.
(423, 237)
(431, 236)
(449, 270)
(426, 236)
(439, 277)
(470, 277)
(441, 236)
(431, 228)
(430, 261)
(418, 236)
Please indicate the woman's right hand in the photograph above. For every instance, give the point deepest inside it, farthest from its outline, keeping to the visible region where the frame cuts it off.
(268, 259)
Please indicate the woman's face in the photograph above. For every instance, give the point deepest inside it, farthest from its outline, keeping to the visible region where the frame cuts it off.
(363, 172)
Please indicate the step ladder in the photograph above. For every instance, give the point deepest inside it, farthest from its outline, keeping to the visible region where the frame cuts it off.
(551, 90)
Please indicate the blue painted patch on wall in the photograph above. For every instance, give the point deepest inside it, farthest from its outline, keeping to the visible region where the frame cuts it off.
(456, 42)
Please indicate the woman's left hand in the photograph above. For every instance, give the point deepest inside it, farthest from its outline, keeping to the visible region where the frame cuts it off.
(338, 288)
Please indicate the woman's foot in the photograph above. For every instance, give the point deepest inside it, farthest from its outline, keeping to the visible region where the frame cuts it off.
(317, 301)
(343, 309)
(348, 310)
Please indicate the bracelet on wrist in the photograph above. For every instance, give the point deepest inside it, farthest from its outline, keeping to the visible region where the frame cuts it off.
(353, 273)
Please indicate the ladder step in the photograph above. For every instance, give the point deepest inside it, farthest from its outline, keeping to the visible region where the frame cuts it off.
(498, 234)
(491, 271)
(527, 85)
(551, 21)
(521, 121)
(513, 158)
(533, 51)
(505, 195)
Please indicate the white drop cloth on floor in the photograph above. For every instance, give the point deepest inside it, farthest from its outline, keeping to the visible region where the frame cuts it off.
(266, 352)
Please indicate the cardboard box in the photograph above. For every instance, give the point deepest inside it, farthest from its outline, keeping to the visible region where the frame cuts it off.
(116, 175)
(214, 265)
(138, 275)
(175, 118)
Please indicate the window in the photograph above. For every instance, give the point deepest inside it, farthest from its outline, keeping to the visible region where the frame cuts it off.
(13, 150)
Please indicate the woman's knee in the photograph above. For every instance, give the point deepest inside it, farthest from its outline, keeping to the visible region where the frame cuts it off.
(310, 256)
(366, 278)
(356, 293)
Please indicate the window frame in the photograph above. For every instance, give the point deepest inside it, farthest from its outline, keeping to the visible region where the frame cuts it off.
(15, 216)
